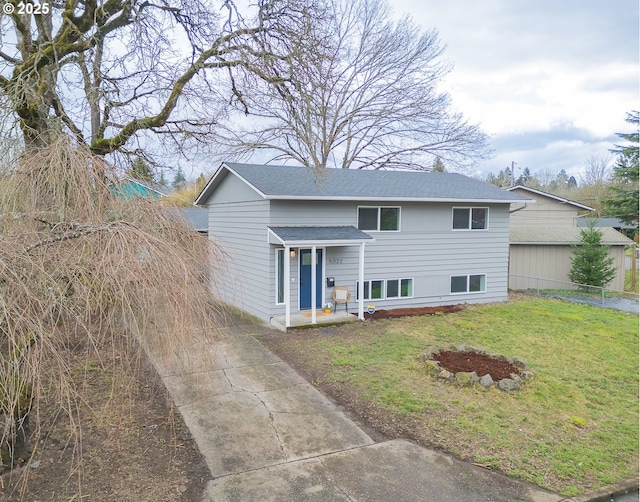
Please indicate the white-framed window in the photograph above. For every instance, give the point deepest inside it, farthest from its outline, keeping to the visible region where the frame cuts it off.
(379, 219)
(472, 283)
(470, 218)
(373, 290)
(280, 276)
(380, 289)
(399, 288)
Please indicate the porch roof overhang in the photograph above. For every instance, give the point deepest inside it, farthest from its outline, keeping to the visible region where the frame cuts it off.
(317, 236)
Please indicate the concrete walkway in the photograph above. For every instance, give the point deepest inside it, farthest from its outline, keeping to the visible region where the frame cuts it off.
(269, 435)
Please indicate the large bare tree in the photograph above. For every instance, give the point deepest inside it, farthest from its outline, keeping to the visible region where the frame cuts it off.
(108, 71)
(362, 92)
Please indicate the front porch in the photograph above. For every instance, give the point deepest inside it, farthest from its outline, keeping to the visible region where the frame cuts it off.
(303, 320)
(306, 245)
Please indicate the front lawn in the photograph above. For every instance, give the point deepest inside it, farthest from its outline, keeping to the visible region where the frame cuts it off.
(572, 429)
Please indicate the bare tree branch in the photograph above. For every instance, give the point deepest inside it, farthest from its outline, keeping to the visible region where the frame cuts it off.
(130, 59)
(360, 92)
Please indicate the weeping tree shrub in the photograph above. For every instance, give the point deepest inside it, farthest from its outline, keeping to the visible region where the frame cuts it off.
(84, 270)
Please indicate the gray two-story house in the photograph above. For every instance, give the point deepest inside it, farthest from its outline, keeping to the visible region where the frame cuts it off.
(396, 239)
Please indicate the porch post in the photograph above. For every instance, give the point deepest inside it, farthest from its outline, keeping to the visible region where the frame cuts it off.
(313, 284)
(361, 282)
(287, 286)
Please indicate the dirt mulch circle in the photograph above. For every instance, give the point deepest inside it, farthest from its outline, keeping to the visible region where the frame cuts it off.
(482, 364)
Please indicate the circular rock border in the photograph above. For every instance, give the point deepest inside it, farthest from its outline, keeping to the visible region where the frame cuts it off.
(468, 379)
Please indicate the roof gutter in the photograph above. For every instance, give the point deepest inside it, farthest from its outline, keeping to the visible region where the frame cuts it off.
(355, 197)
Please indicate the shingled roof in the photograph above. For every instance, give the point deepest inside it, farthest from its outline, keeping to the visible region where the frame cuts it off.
(562, 236)
(289, 182)
(320, 234)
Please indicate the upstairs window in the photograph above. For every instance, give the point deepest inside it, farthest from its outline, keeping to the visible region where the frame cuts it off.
(379, 219)
(470, 218)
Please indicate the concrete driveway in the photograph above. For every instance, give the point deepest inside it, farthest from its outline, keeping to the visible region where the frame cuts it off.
(268, 434)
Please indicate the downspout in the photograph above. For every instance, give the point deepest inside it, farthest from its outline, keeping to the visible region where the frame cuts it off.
(519, 209)
(361, 282)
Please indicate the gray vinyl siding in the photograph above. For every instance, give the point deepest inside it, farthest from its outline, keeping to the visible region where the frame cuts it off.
(231, 190)
(321, 213)
(426, 249)
(238, 218)
(325, 213)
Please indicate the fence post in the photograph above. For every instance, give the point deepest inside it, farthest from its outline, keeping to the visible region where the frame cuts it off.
(538, 286)
(602, 291)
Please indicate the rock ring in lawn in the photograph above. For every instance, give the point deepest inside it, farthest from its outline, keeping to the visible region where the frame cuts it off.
(467, 366)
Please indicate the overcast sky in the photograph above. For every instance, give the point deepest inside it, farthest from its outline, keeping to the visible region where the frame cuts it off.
(549, 81)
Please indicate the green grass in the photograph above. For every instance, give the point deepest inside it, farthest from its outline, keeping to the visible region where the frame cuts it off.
(573, 428)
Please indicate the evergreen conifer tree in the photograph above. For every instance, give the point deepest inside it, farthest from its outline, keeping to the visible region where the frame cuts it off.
(624, 201)
(591, 264)
(140, 170)
(179, 180)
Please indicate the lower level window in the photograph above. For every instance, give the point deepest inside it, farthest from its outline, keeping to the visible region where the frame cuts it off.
(373, 290)
(468, 283)
(390, 288)
(399, 288)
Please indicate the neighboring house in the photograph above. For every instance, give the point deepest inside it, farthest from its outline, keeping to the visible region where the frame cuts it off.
(130, 188)
(548, 210)
(395, 238)
(541, 237)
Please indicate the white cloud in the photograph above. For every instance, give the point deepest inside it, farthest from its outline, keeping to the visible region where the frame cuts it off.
(537, 72)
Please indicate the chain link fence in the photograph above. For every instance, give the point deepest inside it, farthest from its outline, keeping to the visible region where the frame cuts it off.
(582, 293)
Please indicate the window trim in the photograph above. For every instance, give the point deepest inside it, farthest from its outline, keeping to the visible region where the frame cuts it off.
(369, 281)
(470, 227)
(278, 282)
(399, 279)
(468, 277)
(379, 208)
(385, 288)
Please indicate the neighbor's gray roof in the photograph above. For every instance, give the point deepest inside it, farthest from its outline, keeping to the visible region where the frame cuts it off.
(558, 236)
(605, 222)
(198, 217)
(306, 234)
(289, 182)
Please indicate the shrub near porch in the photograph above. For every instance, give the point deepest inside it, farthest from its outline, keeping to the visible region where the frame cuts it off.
(572, 429)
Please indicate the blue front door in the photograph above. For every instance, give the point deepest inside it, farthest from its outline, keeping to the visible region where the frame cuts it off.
(305, 278)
